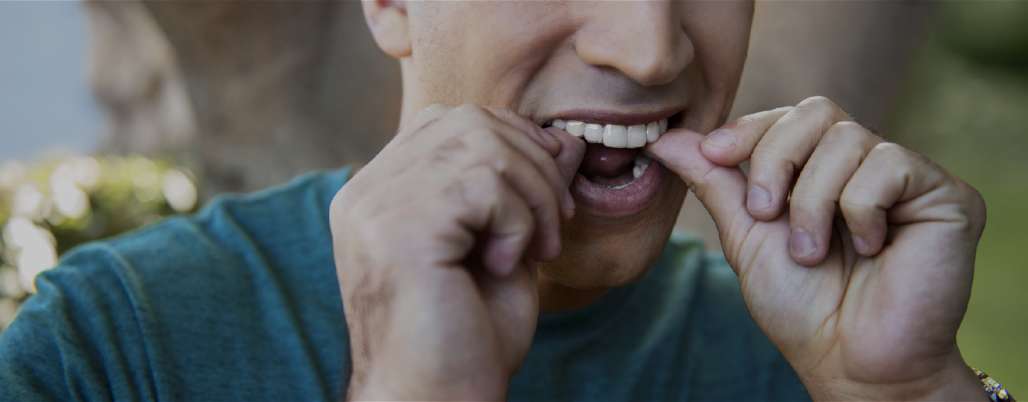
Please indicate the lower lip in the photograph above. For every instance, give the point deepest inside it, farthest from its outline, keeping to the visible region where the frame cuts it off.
(599, 199)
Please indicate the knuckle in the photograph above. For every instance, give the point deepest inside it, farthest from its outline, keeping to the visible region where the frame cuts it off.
(974, 206)
(822, 109)
(503, 161)
(899, 160)
(902, 162)
(817, 101)
(851, 137)
(890, 150)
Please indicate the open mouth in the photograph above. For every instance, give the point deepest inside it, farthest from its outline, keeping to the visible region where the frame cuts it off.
(615, 178)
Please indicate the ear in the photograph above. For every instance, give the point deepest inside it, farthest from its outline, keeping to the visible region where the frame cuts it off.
(387, 20)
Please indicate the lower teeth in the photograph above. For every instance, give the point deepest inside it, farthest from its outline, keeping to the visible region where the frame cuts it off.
(641, 164)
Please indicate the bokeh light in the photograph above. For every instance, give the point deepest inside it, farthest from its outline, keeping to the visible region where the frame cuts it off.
(49, 206)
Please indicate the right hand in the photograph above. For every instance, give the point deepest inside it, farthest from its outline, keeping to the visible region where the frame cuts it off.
(433, 242)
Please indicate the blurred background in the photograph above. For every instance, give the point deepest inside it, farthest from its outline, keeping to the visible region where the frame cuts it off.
(116, 114)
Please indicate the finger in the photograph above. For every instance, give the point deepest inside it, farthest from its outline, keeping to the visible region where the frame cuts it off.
(733, 143)
(888, 175)
(510, 226)
(572, 151)
(526, 179)
(722, 190)
(544, 162)
(783, 150)
(514, 138)
(535, 132)
(550, 143)
(819, 187)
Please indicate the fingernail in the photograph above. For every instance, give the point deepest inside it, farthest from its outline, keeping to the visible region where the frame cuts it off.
(569, 205)
(720, 139)
(757, 198)
(802, 243)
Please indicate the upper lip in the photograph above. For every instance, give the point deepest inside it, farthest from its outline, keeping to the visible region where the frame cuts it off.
(614, 117)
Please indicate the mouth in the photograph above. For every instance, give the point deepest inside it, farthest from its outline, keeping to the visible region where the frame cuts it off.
(615, 178)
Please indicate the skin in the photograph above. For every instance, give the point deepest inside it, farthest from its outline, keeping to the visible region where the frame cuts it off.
(454, 237)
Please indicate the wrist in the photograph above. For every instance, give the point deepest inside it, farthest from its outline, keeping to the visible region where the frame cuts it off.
(958, 383)
(954, 382)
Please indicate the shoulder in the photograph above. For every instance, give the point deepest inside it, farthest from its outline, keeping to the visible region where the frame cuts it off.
(176, 303)
(65, 337)
(272, 227)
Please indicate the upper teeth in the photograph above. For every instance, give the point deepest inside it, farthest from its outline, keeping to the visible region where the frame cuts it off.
(614, 135)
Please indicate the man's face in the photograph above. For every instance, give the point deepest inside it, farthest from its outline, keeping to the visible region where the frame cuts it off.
(624, 63)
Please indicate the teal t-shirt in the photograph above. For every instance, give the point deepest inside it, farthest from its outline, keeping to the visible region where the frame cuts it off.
(240, 303)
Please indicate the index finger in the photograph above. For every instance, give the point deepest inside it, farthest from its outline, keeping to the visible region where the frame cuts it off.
(733, 143)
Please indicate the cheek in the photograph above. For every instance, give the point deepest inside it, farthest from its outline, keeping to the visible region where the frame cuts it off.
(482, 53)
(720, 34)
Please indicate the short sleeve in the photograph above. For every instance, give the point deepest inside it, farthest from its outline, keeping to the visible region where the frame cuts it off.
(77, 338)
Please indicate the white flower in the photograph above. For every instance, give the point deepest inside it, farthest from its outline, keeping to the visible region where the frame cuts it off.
(84, 172)
(29, 202)
(69, 200)
(34, 248)
(179, 191)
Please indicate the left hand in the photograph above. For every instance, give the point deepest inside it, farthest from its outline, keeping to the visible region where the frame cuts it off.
(864, 307)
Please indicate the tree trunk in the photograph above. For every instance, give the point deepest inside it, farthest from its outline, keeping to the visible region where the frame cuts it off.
(248, 94)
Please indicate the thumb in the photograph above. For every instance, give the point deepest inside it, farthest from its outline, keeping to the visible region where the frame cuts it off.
(722, 190)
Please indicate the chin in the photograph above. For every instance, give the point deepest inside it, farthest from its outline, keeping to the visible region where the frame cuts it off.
(604, 252)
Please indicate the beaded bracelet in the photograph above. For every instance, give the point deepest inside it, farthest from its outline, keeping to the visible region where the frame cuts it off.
(993, 388)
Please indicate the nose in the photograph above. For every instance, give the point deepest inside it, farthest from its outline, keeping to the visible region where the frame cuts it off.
(644, 40)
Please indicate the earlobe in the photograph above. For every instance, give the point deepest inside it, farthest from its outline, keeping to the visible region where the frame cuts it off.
(387, 20)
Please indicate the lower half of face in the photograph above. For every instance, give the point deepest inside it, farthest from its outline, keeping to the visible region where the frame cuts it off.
(618, 75)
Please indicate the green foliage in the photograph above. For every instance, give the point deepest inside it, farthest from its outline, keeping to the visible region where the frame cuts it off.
(992, 32)
(53, 205)
(964, 107)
